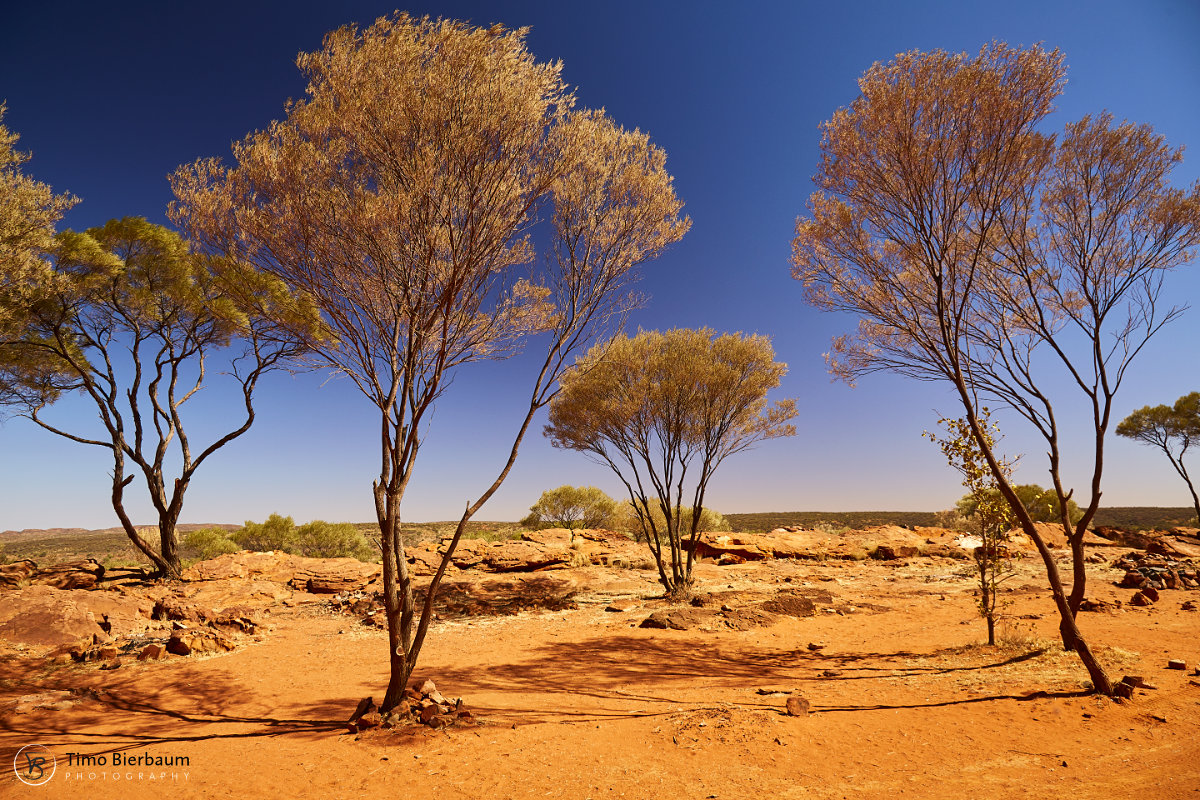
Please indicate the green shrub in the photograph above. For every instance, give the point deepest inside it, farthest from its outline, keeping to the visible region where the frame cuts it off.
(209, 543)
(277, 533)
(627, 521)
(321, 539)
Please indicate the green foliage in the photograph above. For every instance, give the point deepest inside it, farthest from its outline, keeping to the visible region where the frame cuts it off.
(628, 521)
(761, 522)
(316, 539)
(993, 516)
(210, 543)
(276, 533)
(573, 507)
(1172, 429)
(1042, 504)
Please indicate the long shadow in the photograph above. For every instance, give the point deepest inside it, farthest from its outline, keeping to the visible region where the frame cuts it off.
(610, 670)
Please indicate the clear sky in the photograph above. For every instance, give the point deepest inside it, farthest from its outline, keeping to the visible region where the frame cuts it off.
(111, 97)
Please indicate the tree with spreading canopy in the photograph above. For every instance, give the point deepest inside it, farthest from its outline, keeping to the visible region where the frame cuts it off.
(400, 195)
(574, 507)
(1168, 427)
(976, 249)
(657, 405)
(133, 320)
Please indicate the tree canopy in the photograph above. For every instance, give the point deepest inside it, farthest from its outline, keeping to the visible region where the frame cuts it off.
(977, 249)
(131, 318)
(1172, 429)
(401, 195)
(574, 507)
(657, 405)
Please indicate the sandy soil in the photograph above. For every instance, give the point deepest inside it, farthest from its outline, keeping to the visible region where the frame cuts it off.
(585, 704)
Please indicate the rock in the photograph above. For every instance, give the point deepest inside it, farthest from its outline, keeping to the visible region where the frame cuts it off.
(1140, 599)
(185, 643)
(892, 552)
(1123, 691)
(73, 575)
(152, 652)
(729, 559)
(43, 616)
(427, 687)
(1151, 593)
(17, 573)
(364, 705)
(678, 619)
(437, 697)
(1133, 580)
(790, 605)
(621, 606)
(815, 646)
(1088, 604)
(797, 706)
(1188, 605)
(428, 712)
(1177, 663)
(1137, 681)
(371, 719)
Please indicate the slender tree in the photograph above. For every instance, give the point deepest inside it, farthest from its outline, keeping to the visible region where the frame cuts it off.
(132, 320)
(664, 411)
(990, 512)
(1169, 427)
(969, 244)
(399, 195)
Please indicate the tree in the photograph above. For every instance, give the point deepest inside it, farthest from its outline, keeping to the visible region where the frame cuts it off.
(970, 245)
(989, 510)
(1166, 427)
(638, 519)
(399, 196)
(654, 406)
(574, 507)
(1042, 504)
(132, 319)
(29, 215)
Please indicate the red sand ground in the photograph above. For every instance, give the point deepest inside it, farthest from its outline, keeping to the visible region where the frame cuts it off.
(583, 704)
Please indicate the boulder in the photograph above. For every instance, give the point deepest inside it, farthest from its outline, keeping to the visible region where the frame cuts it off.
(17, 573)
(189, 642)
(73, 575)
(891, 552)
(797, 706)
(152, 652)
(43, 616)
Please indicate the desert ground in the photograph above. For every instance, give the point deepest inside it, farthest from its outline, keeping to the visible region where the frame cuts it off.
(568, 695)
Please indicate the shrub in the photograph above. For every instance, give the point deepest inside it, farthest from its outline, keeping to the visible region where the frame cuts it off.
(277, 533)
(627, 521)
(321, 539)
(572, 507)
(209, 543)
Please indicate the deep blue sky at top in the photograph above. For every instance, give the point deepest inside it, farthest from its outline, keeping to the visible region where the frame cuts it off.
(110, 98)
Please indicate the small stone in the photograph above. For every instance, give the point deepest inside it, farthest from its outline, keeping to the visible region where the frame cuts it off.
(1123, 691)
(1137, 681)
(815, 646)
(437, 697)
(1140, 599)
(364, 705)
(796, 706)
(1177, 663)
(830, 673)
(427, 687)
(371, 719)
(1188, 605)
(107, 653)
(429, 712)
(1151, 593)
(620, 606)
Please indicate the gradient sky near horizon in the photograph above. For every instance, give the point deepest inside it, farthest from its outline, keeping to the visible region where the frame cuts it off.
(110, 98)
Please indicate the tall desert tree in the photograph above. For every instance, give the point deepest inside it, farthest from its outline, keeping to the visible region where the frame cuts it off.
(1168, 428)
(976, 250)
(134, 321)
(401, 195)
(29, 215)
(664, 411)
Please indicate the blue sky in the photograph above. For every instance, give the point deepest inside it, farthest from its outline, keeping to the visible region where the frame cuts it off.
(110, 98)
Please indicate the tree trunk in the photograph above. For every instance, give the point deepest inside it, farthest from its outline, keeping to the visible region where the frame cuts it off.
(1067, 627)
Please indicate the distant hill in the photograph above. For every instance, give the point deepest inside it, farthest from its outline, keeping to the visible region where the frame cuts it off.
(1134, 517)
